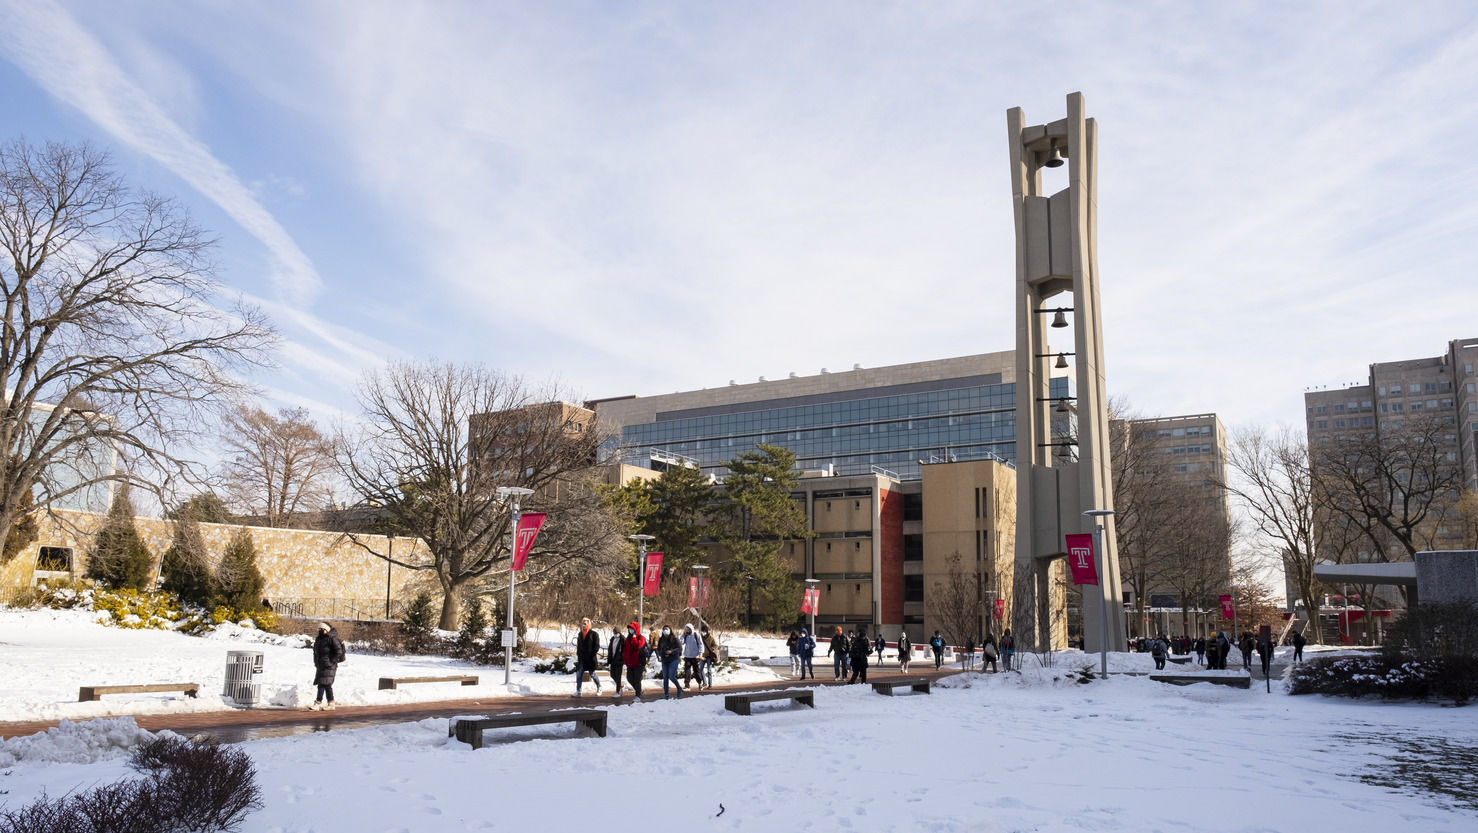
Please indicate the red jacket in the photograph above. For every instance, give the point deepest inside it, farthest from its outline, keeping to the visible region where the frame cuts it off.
(631, 651)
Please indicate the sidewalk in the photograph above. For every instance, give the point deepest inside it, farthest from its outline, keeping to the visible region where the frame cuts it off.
(235, 725)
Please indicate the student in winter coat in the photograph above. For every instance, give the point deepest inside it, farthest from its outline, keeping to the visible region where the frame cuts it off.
(634, 655)
(1265, 654)
(1246, 645)
(710, 655)
(669, 653)
(905, 652)
(692, 655)
(805, 648)
(1008, 649)
(1157, 650)
(587, 656)
(1223, 649)
(616, 659)
(1298, 646)
(968, 660)
(859, 648)
(795, 658)
(1200, 648)
(838, 650)
(989, 652)
(936, 643)
(328, 652)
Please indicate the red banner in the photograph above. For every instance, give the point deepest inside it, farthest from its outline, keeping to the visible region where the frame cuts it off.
(697, 592)
(1080, 559)
(1227, 611)
(529, 524)
(1000, 608)
(811, 601)
(651, 583)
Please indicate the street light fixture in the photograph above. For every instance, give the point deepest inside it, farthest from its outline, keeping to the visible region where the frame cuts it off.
(511, 495)
(1098, 515)
(641, 540)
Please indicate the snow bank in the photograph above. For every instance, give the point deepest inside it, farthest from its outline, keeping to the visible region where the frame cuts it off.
(76, 743)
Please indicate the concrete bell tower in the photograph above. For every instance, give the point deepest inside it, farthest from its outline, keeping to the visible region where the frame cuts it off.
(1062, 449)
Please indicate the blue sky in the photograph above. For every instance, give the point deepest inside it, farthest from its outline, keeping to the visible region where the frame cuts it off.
(641, 198)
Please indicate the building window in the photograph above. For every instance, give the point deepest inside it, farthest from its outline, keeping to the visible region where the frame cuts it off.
(1430, 387)
(913, 507)
(913, 548)
(54, 559)
(913, 588)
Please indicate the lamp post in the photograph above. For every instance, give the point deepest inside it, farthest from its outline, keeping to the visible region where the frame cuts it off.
(1235, 632)
(511, 494)
(1098, 515)
(811, 583)
(641, 540)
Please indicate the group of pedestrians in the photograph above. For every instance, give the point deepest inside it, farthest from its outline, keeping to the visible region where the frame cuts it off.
(628, 655)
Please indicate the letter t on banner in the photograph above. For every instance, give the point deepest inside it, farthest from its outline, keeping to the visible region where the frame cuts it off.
(529, 524)
(1080, 559)
(652, 581)
(1227, 611)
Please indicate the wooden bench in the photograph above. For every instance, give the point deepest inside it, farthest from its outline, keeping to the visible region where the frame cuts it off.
(470, 729)
(918, 684)
(93, 692)
(740, 703)
(389, 683)
(1186, 679)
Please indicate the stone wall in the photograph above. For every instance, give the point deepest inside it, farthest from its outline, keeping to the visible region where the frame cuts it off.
(295, 563)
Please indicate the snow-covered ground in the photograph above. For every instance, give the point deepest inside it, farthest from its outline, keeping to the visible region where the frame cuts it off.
(46, 655)
(1029, 751)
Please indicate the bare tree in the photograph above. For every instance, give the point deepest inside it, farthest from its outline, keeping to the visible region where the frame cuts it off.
(957, 601)
(113, 347)
(276, 466)
(1145, 493)
(435, 442)
(1269, 474)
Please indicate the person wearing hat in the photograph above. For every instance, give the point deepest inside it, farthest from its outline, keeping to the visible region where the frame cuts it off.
(328, 652)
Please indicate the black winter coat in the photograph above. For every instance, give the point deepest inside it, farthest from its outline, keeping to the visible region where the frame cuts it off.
(669, 648)
(328, 652)
(615, 650)
(860, 648)
(587, 649)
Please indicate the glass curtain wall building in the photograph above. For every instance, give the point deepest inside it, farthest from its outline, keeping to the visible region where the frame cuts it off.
(889, 420)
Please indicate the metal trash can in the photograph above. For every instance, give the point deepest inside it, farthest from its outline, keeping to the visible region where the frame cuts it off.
(241, 668)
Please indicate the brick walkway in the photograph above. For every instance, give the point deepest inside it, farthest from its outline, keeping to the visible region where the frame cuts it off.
(245, 724)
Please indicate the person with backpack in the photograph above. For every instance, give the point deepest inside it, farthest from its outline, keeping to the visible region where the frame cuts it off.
(805, 648)
(1223, 649)
(838, 650)
(936, 643)
(635, 654)
(1157, 650)
(859, 648)
(988, 653)
(1246, 645)
(710, 655)
(587, 655)
(692, 656)
(795, 658)
(1008, 649)
(1298, 647)
(669, 654)
(328, 652)
(905, 651)
(616, 659)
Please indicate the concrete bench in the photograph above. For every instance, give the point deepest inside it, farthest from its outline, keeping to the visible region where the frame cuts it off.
(93, 692)
(918, 684)
(470, 729)
(740, 703)
(1178, 660)
(1186, 679)
(389, 683)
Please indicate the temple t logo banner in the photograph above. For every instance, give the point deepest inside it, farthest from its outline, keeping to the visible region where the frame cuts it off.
(1080, 559)
(529, 525)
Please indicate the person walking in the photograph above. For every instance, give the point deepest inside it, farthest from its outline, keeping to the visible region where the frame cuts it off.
(1223, 649)
(988, 653)
(1200, 651)
(805, 648)
(1265, 653)
(795, 657)
(710, 655)
(838, 650)
(878, 645)
(936, 643)
(328, 652)
(616, 659)
(1246, 644)
(587, 656)
(634, 653)
(905, 651)
(1298, 647)
(859, 648)
(1157, 650)
(967, 661)
(692, 656)
(669, 654)
(1008, 649)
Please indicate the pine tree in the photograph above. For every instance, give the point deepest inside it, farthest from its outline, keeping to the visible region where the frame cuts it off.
(185, 568)
(119, 556)
(239, 582)
(474, 626)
